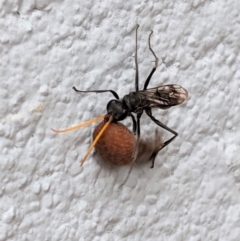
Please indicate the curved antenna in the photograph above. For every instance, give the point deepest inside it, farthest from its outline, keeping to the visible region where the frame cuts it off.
(96, 139)
(78, 126)
(156, 62)
(136, 61)
(97, 91)
(150, 48)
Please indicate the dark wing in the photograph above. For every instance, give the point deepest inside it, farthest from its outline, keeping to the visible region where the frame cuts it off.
(165, 96)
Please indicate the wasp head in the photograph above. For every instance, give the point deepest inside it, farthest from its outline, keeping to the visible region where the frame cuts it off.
(116, 109)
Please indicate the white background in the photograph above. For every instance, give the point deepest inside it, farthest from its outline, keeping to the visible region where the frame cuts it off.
(46, 47)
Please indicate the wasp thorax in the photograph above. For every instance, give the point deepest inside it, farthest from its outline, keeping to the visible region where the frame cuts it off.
(132, 101)
(117, 110)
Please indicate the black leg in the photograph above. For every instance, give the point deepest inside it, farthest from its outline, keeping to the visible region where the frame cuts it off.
(97, 91)
(138, 124)
(136, 63)
(135, 151)
(129, 172)
(156, 62)
(155, 152)
(134, 124)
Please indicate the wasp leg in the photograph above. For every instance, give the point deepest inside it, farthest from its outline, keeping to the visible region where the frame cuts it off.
(105, 126)
(129, 172)
(134, 124)
(156, 62)
(138, 125)
(135, 150)
(78, 126)
(136, 63)
(97, 91)
(155, 152)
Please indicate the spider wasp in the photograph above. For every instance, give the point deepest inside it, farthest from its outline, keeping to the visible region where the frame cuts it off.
(138, 101)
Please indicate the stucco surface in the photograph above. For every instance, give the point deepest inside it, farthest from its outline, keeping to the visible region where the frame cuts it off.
(46, 47)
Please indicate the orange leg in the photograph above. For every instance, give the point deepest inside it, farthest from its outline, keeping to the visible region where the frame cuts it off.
(87, 123)
(96, 140)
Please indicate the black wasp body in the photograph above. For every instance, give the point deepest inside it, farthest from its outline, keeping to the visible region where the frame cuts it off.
(162, 97)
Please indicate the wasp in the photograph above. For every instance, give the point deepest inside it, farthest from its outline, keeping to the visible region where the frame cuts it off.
(135, 103)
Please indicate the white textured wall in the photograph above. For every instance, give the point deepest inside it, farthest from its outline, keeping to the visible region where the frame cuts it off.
(46, 47)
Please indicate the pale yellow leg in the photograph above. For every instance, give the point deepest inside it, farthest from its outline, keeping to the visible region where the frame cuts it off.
(75, 127)
(96, 140)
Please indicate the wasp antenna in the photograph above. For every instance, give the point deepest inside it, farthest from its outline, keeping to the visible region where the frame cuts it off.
(75, 127)
(96, 139)
(136, 60)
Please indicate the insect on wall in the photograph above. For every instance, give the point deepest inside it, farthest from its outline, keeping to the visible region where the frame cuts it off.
(110, 145)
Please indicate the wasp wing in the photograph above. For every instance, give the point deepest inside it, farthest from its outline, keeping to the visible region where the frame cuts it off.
(164, 96)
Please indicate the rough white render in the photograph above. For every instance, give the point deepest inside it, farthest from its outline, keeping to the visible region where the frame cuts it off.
(46, 47)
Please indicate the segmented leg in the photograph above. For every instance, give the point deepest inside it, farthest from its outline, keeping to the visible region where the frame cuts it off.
(97, 91)
(155, 152)
(156, 63)
(135, 150)
(125, 180)
(134, 124)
